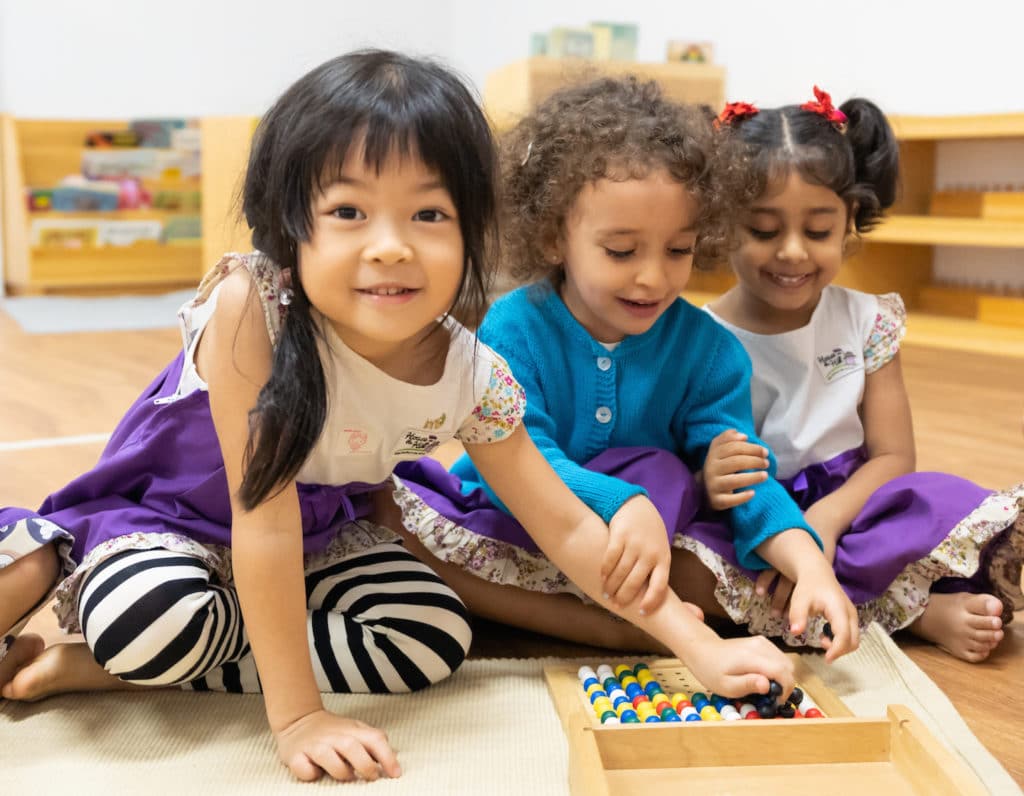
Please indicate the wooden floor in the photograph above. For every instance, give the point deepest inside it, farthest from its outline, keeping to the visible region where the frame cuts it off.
(967, 413)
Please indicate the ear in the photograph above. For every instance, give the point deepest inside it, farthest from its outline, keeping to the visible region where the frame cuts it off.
(552, 253)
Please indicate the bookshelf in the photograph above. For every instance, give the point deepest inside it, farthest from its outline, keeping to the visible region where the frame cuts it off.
(39, 153)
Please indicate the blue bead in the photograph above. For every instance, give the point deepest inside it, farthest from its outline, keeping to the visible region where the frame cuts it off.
(616, 701)
(692, 717)
(633, 691)
(652, 720)
(653, 688)
(596, 695)
(589, 682)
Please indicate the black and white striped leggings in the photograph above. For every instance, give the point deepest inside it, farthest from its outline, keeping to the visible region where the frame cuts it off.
(378, 621)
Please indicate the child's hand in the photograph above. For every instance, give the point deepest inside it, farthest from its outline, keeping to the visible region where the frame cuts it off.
(783, 589)
(818, 592)
(728, 466)
(343, 748)
(740, 666)
(638, 556)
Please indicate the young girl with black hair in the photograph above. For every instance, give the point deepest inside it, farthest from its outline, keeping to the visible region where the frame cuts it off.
(923, 550)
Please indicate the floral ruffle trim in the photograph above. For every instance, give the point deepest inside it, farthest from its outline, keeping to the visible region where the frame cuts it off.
(888, 330)
(998, 521)
(499, 411)
(353, 538)
(489, 559)
(215, 557)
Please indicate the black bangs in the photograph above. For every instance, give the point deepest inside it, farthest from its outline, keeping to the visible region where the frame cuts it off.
(385, 104)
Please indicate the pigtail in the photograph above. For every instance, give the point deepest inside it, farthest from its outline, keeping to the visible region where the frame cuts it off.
(876, 158)
(290, 410)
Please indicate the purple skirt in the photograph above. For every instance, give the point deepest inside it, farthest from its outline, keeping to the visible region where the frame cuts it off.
(162, 472)
(901, 523)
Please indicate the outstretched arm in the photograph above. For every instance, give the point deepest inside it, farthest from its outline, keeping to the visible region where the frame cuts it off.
(574, 538)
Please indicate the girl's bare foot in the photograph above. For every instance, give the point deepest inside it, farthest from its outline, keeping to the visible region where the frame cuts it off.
(59, 669)
(20, 650)
(967, 626)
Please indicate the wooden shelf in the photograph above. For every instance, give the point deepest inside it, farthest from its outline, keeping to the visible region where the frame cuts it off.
(40, 153)
(513, 90)
(937, 128)
(948, 231)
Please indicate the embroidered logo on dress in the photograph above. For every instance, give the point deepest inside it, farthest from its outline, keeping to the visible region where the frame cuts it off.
(436, 423)
(357, 439)
(838, 363)
(416, 442)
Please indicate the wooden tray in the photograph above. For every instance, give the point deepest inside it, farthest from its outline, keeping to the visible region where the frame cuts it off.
(839, 754)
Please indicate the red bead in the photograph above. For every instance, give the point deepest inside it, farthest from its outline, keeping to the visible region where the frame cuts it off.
(752, 715)
(640, 698)
(813, 713)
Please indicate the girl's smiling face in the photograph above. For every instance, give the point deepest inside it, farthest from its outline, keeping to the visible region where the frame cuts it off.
(627, 251)
(791, 248)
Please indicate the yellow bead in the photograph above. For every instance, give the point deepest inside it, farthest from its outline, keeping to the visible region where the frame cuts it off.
(678, 697)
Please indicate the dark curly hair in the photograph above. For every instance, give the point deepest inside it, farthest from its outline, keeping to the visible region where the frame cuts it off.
(861, 165)
(616, 128)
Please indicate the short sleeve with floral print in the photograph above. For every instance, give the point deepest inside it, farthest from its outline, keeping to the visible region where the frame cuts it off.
(890, 326)
(500, 409)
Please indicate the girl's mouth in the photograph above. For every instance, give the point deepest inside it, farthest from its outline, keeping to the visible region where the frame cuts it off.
(789, 280)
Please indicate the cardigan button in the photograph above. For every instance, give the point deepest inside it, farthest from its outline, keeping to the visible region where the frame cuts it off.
(603, 363)
(603, 414)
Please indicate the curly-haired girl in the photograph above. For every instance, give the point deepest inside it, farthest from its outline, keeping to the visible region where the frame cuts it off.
(611, 192)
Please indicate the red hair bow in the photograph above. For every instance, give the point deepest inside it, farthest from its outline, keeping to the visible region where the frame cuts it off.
(823, 107)
(735, 111)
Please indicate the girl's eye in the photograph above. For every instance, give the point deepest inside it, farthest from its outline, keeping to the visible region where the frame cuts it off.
(616, 254)
(348, 213)
(686, 252)
(431, 216)
(762, 234)
(815, 234)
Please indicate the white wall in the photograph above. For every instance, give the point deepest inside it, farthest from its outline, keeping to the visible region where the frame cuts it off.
(103, 58)
(132, 57)
(910, 56)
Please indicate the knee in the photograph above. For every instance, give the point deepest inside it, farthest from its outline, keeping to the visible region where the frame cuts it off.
(448, 641)
(148, 637)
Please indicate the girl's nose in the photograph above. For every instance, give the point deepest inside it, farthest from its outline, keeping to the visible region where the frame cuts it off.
(387, 247)
(652, 274)
(792, 249)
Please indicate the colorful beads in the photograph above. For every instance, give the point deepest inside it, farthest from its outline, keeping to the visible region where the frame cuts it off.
(632, 695)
